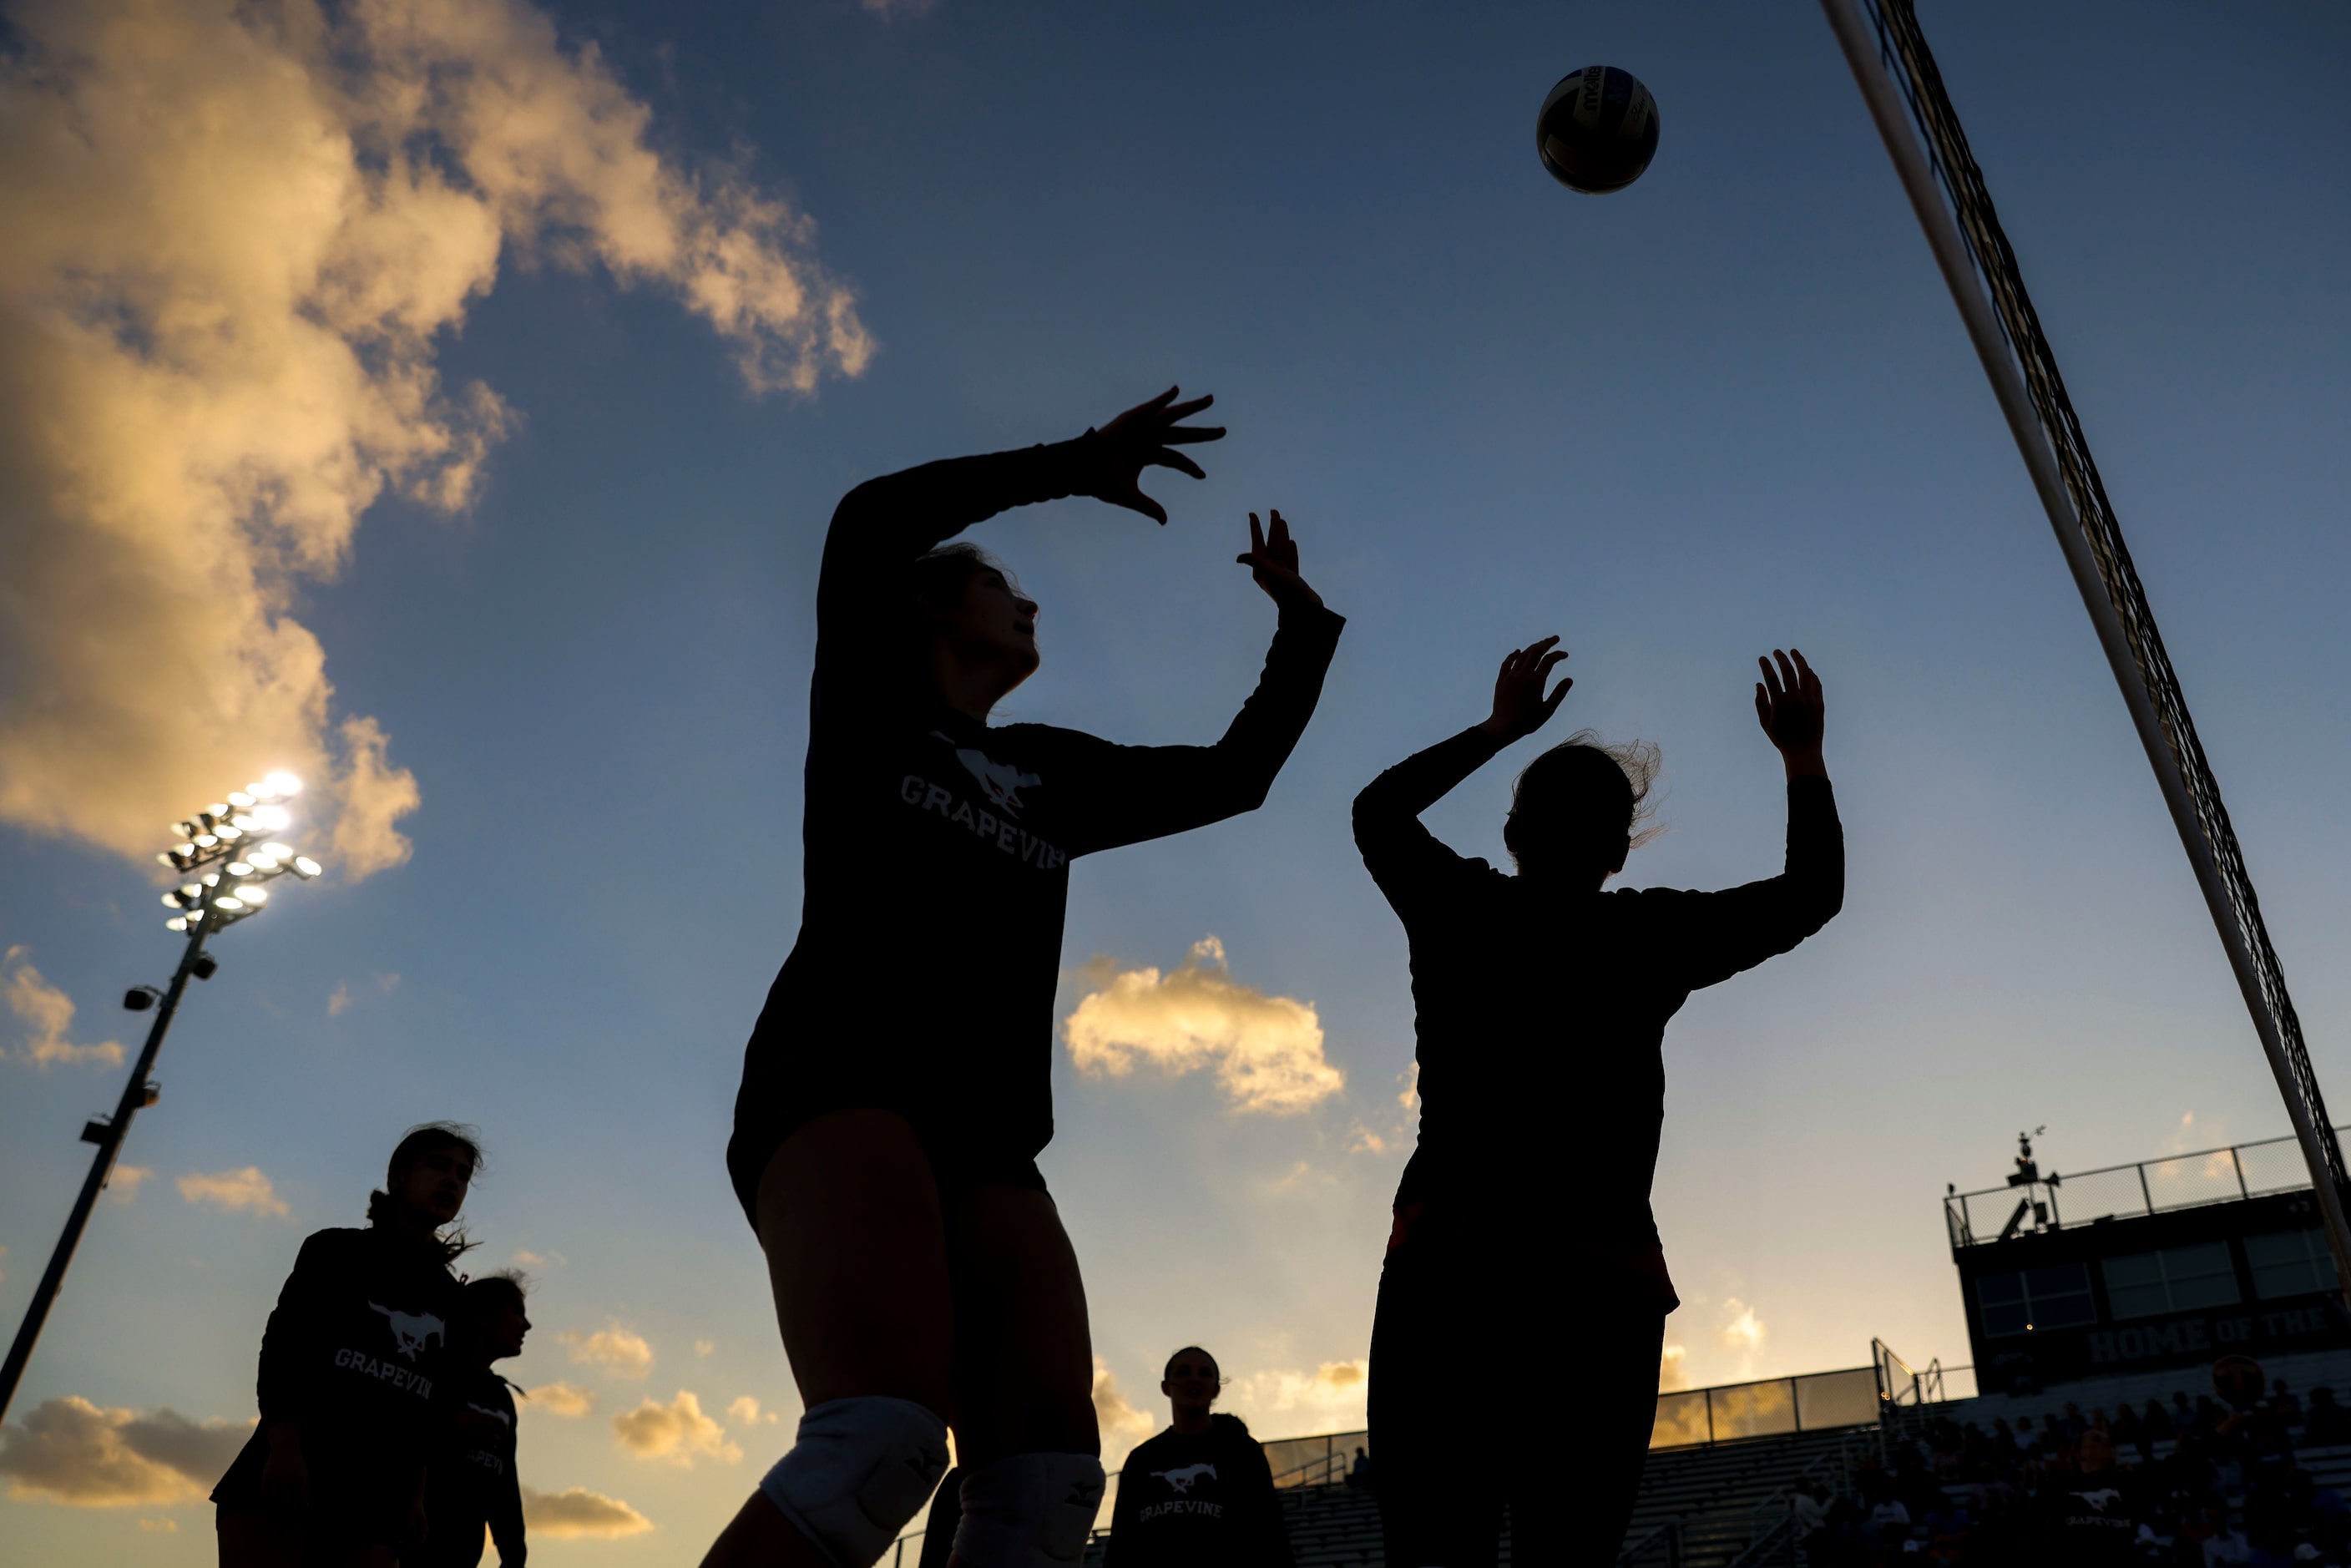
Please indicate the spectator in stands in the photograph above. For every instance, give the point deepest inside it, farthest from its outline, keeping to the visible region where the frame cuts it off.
(2027, 1440)
(1201, 1492)
(2154, 1427)
(2071, 1425)
(2127, 1431)
(2283, 1398)
(2089, 1511)
(1359, 1474)
(2327, 1423)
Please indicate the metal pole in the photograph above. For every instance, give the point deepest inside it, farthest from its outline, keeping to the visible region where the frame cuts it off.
(109, 1138)
(1885, 107)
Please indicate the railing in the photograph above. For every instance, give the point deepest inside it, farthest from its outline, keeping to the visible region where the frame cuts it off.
(2229, 1174)
(1313, 1461)
(1770, 1408)
(1662, 1545)
(1771, 1535)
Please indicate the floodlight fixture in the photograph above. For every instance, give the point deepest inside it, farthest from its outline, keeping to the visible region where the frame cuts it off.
(207, 846)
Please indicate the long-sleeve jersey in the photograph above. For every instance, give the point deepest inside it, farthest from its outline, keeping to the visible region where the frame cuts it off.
(1204, 1499)
(473, 1482)
(355, 1356)
(1536, 1001)
(937, 847)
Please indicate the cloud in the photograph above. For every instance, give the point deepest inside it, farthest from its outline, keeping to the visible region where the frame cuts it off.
(538, 1262)
(577, 1513)
(1267, 1050)
(48, 1013)
(1671, 1374)
(70, 1450)
(237, 1191)
(1122, 1425)
(124, 1181)
(626, 1353)
(1741, 1330)
(160, 1526)
(703, 1347)
(339, 1000)
(678, 1432)
(565, 1399)
(745, 1412)
(1331, 1398)
(239, 237)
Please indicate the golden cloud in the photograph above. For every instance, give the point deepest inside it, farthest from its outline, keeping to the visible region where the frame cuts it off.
(1267, 1050)
(1122, 1425)
(678, 1432)
(1333, 1394)
(565, 1399)
(576, 1513)
(70, 1450)
(238, 236)
(745, 1412)
(626, 1353)
(124, 1181)
(48, 1013)
(245, 1191)
(1671, 1375)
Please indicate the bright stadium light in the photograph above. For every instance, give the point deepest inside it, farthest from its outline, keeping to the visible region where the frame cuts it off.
(207, 846)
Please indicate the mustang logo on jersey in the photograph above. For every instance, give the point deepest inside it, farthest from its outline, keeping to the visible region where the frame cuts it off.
(1001, 784)
(1181, 1479)
(410, 1331)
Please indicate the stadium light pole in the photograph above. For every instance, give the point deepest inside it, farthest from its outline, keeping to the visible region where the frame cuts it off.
(226, 852)
(2056, 458)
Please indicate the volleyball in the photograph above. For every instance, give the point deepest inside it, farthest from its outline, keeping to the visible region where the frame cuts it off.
(1597, 130)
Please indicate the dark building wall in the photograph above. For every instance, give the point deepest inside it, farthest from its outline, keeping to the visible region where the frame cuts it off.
(2110, 1325)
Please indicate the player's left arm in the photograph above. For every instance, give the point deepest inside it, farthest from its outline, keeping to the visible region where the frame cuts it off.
(1127, 794)
(1711, 936)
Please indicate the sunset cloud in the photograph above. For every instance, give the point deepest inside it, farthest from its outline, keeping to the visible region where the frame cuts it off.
(576, 1513)
(1122, 1425)
(124, 1181)
(1332, 1397)
(565, 1399)
(71, 1451)
(626, 1353)
(47, 1014)
(238, 238)
(678, 1432)
(245, 1191)
(1672, 1376)
(1267, 1050)
(745, 1412)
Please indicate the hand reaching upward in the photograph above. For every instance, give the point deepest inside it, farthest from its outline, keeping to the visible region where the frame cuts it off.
(1274, 562)
(1145, 436)
(1788, 705)
(1519, 707)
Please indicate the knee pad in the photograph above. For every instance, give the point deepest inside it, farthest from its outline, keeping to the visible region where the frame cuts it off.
(858, 1471)
(1031, 1511)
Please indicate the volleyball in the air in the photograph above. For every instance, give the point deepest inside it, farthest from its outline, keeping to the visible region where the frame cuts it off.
(1598, 129)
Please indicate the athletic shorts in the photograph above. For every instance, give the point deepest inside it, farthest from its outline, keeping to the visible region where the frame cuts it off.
(962, 1156)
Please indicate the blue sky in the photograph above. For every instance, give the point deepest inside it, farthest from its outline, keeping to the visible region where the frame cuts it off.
(1729, 409)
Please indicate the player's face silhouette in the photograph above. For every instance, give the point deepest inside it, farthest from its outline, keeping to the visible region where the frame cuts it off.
(994, 624)
(435, 1184)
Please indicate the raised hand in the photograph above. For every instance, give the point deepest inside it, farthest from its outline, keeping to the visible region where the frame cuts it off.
(1145, 436)
(1788, 705)
(1273, 562)
(1519, 707)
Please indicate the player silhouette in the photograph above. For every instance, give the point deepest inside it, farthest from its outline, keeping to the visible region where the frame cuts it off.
(895, 1091)
(353, 1382)
(1542, 1003)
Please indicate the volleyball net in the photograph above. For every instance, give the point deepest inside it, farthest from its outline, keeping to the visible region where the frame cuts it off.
(1896, 72)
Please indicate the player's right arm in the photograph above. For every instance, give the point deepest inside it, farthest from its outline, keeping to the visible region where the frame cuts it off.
(1403, 856)
(886, 523)
(286, 1385)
